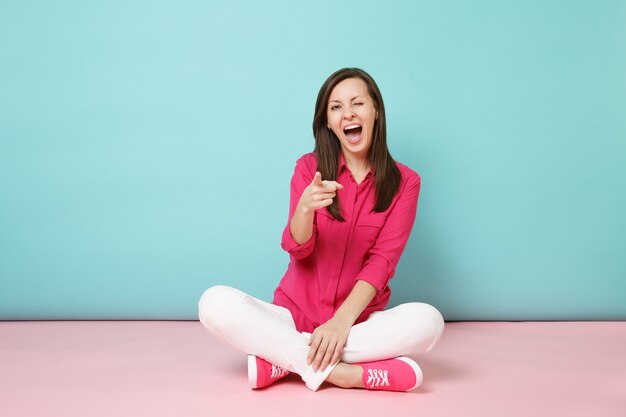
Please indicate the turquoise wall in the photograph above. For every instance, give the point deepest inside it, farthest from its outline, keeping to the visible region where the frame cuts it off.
(146, 150)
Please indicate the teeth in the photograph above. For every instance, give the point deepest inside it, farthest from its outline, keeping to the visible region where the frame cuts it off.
(351, 127)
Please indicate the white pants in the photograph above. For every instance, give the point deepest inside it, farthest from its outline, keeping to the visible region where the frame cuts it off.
(269, 332)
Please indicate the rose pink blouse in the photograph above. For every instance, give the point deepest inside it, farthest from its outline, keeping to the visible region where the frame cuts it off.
(367, 246)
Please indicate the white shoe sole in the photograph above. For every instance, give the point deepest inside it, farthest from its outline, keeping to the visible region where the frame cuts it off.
(252, 372)
(419, 377)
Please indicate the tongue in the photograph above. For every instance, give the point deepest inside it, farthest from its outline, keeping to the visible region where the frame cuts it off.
(354, 135)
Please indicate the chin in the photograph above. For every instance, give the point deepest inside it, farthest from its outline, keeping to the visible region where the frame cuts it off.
(361, 150)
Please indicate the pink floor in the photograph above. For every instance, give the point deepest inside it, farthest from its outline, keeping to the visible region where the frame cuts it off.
(177, 369)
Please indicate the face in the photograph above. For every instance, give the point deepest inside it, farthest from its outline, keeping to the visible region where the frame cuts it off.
(351, 115)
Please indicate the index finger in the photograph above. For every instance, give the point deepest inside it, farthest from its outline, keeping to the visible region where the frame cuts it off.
(314, 344)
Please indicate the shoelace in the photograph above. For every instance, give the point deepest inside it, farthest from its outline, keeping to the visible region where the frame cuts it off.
(377, 378)
(277, 371)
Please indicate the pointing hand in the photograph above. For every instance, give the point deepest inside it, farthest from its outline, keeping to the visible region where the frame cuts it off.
(319, 193)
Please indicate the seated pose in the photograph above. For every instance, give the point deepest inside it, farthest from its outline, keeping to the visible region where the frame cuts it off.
(351, 212)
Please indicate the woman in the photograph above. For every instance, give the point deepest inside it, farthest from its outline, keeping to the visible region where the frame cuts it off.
(351, 212)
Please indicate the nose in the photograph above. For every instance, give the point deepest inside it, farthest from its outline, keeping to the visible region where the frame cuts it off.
(349, 113)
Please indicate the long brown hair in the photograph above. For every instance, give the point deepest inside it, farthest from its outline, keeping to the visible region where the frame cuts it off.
(328, 149)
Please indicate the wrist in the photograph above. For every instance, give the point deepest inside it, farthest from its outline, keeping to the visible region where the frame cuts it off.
(345, 317)
(304, 211)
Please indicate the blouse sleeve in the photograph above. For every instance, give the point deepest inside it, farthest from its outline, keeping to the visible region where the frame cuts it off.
(301, 178)
(383, 257)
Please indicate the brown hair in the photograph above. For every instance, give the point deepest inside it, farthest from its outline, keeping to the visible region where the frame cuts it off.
(328, 149)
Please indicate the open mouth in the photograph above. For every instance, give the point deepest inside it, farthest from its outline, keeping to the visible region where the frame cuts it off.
(353, 133)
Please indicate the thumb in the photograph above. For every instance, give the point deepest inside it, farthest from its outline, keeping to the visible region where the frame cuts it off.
(317, 179)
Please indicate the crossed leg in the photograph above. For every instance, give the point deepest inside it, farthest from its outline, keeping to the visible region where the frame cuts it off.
(268, 331)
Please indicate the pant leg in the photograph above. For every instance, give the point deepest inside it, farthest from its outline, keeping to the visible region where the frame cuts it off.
(406, 330)
(259, 328)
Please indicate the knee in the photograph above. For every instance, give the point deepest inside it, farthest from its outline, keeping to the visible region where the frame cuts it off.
(214, 304)
(426, 326)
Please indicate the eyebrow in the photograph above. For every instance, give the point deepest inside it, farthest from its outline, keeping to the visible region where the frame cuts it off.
(337, 101)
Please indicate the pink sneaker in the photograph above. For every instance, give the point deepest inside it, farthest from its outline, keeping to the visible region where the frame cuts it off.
(398, 374)
(261, 373)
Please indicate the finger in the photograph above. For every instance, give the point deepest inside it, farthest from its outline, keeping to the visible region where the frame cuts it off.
(320, 355)
(324, 196)
(338, 350)
(314, 343)
(331, 185)
(311, 356)
(330, 351)
(317, 179)
(325, 203)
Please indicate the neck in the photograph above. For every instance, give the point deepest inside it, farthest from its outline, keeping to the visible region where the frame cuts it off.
(357, 165)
